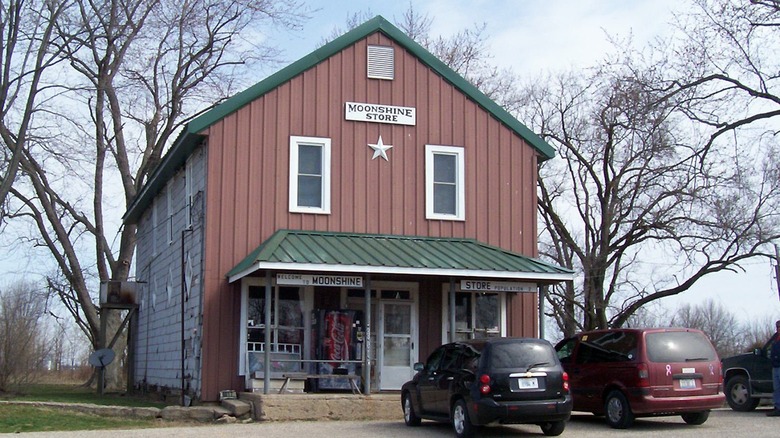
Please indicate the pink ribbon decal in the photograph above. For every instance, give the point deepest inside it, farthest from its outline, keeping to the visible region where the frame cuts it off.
(668, 370)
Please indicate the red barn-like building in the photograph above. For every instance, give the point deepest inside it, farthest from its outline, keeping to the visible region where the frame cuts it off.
(345, 215)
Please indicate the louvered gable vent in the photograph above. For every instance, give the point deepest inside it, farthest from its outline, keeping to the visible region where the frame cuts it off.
(381, 62)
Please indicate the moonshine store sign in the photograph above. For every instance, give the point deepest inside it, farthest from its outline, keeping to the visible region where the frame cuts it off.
(373, 112)
(497, 286)
(318, 280)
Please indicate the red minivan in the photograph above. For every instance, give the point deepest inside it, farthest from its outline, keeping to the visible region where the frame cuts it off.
(628, 373)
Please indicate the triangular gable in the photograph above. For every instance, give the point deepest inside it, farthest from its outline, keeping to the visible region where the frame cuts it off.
(191, 137)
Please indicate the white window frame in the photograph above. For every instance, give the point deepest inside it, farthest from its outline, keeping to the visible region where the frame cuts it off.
(445, 311)
(460, 191)
(324, 143)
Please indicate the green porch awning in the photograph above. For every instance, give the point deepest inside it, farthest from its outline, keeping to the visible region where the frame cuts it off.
(323, 252)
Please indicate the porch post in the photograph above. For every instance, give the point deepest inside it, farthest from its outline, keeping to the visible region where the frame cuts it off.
(452, 309)
(367, 342)
(267, 332)
(542, 293)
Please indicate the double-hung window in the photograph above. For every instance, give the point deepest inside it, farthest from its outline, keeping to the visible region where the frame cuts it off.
(309, 175)
(444, 183)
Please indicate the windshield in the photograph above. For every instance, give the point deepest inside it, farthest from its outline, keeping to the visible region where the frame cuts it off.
(679, 347)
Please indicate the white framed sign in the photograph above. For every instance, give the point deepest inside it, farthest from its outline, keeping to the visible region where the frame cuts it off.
(318, 280)
(497, 286)
(377, 113)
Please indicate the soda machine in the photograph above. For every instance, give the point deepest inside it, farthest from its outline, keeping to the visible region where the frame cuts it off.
(337, 337)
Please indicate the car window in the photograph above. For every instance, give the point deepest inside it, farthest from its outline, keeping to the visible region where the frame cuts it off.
(565, 349)
(616, 346)
(452, 359)
(434, 360)
(521, 355)
(679, 347)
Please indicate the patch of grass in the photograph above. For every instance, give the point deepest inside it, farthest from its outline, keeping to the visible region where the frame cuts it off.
(71, 393)
(25, 418)
(18, 418)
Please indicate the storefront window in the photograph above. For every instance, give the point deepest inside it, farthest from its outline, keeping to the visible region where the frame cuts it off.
(477, 315)
(286, 328)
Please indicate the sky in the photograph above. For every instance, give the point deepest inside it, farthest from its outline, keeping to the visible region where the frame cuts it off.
(532, 37)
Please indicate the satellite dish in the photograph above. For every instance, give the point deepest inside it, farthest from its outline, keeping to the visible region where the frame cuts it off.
(101, 358)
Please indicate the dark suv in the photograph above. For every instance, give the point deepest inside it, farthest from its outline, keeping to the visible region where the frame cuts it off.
(496, 380)
(747, 378)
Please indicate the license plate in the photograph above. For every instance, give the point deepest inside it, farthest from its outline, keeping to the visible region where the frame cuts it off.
(687, 383)
(528, 383)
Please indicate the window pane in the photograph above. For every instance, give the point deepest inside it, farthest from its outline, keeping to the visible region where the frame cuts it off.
(256, 311)
(487, 312)
(309, 160)
(444, 168)
(444, 198)
(309, 191)
(463, 311)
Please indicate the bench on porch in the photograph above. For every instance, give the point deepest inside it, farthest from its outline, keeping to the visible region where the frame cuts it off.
(353, 378)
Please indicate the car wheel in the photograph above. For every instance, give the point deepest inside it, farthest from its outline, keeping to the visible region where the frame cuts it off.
(460, 420)
(696, 418)
(410, 417)
(617, 411)
(738, 394)
(553, 428)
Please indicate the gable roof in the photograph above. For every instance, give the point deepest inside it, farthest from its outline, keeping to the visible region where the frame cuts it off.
(323, 252)
(190, 136)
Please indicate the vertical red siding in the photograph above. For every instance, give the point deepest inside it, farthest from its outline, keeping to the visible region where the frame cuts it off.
(248, 175)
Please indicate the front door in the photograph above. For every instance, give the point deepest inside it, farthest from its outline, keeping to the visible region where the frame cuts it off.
(396, 349)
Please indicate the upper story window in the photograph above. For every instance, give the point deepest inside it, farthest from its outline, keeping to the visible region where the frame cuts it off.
(309, 175)
(444, 183)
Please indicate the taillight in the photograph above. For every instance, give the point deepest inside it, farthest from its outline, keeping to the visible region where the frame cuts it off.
(566, 381)
(484, 384)
(644, 375)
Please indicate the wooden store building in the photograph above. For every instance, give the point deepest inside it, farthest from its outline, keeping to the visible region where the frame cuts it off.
(346, 215)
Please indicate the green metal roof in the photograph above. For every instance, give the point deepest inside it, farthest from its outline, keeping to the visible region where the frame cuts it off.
(190, 137)
(315, 251)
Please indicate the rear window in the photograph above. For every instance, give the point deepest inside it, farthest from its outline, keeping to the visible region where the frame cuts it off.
(521, 355)
(679, 347)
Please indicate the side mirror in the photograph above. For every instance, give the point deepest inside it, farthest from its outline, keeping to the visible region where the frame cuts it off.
(419, 366)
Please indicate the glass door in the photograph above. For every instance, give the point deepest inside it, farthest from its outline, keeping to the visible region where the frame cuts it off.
(396, 359)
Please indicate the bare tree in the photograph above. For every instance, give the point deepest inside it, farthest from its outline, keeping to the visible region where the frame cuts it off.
(630, 204)
(716, 322)
(725, 67)
(137, 72)
(23, 346)
(26, 53)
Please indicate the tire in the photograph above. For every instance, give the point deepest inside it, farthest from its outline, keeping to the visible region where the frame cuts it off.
(410, 417)
(738, 394)
(553, 428)
(617, 411)
(696, 418)
(460, 420)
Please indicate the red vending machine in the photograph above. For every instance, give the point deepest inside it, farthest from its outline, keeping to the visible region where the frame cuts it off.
(337, 337)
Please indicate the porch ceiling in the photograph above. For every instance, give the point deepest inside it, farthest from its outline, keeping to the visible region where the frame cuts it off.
(314, 251)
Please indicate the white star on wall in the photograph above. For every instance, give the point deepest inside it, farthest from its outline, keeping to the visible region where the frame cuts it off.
(380, 149)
